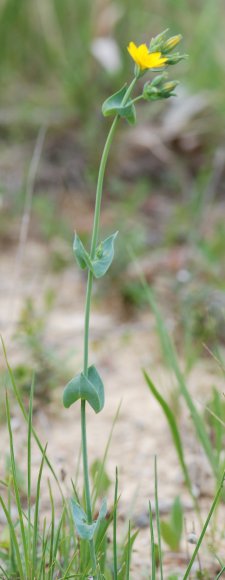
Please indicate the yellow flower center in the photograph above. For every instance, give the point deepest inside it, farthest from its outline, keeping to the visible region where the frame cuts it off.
(145, 59)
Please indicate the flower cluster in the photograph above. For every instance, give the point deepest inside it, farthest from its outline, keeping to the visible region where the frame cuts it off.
(155, 58)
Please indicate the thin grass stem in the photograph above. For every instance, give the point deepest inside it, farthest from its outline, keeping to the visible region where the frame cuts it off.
(115, 527)
(29, 470)
(128, 555)
(16, 489)
(36, 511)
(220, 573)
(14, 540)
(157, 518)
(153, 577)
(203, 532)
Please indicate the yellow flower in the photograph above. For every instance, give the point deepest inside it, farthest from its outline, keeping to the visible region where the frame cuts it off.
(145, 59)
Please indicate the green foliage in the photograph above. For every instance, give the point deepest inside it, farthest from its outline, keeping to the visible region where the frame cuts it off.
(49, 549)
(172, 530)
(215, 417)
(41, 358)
(100, 477)
(31, 552)
(88, 388)
(87, 530)
(114, 106)
(171, 358)
(174, 431)
(81, 255)
(102, 260)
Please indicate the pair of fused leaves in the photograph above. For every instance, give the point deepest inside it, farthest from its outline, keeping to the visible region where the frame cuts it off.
(89, 388)
(114, 106)
(85, 530)
(103, 256)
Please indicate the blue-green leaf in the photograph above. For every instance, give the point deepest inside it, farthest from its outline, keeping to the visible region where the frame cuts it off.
(89, 388)
(113, 103)
(114, 106)
(128, 112)
(85, 530)
(103, 256)
(81, 255)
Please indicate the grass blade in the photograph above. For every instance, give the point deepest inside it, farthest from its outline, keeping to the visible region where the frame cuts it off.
(128, 555)
(102, 467)
(57, 536)
(115, 527)
(220, 573)
(174, 432)
(44, 547)
(14, 539)
(5, 573)
(170, 353)
(24, 413)
(36, 512)
(203, 532)
(30, 414)
(11, 546)
(157, 518)
(51, 553)
(15, 485)
(153, 577)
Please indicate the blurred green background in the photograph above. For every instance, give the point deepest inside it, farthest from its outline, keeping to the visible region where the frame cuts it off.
(46, 47)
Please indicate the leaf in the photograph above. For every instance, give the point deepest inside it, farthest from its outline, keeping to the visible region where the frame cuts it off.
(89, 388)
(129, 113)
(121, 575)
(177, 518)
(100, 477)
(85, 530)
(114, 106)
(173, 428)
(81, 255)
(104, 256)
(169, 536)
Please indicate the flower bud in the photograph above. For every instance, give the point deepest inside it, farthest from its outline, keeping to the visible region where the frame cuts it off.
(157, 81)
(175, 58)
(171, 43)
(158, 41)
(165, 46)
(160, 90)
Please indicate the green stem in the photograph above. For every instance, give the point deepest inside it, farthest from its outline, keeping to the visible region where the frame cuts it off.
(139, 98)
(87, 313)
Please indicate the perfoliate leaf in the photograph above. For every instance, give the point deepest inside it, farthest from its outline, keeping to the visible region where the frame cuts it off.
(89, 388)
(85, 530)
(114, 106)
(81, 255)
(103, 256)
(129, 113)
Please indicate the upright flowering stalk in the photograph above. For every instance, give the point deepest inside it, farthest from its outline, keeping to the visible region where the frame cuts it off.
(88, 385)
